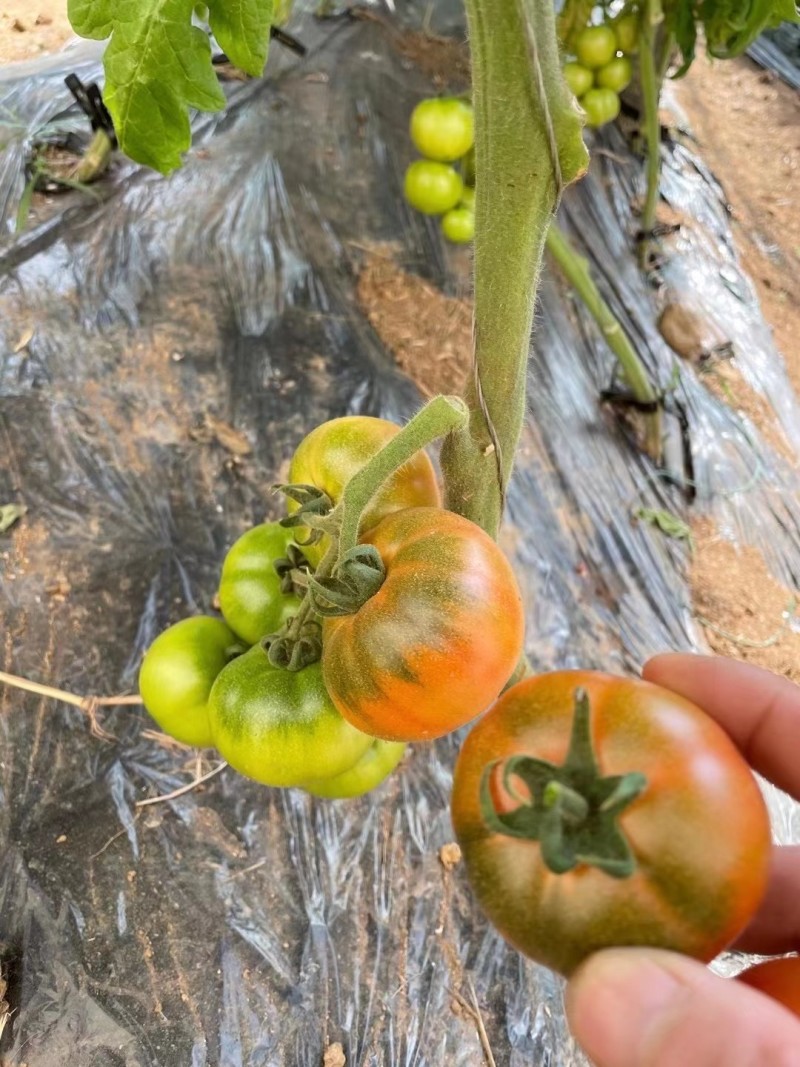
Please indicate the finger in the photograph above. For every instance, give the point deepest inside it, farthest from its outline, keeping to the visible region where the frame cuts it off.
(636, 1007)
(776, 926)
(760, 710)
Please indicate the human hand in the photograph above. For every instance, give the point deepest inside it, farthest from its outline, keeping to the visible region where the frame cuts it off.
(639, 1007)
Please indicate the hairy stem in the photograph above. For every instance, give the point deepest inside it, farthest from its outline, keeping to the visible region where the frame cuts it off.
(528, 145)
(576, 270)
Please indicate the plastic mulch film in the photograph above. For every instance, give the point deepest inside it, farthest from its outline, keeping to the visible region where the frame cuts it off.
(238, 925)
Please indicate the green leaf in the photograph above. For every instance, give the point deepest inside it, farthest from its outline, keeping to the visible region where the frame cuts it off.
(668, 523)
(242, 29)
(9, 514)
(157, 66)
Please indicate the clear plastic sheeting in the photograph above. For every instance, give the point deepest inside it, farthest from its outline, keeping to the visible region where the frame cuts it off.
(238, 925)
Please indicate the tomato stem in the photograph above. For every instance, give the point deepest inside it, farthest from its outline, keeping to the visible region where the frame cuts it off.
(528, 146)
(572, 810)
(441, 416)
(652, 15)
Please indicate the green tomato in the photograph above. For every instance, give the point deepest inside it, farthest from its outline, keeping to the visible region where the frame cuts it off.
(579, 79)
(374, 767)
(626, 31)
(595, 46)
(443, 128)
(278, 726)
(468, 198)
(432, 188)
(601, 106)
(615, 75)
(250, 594)
(177, 674)
(458, 225)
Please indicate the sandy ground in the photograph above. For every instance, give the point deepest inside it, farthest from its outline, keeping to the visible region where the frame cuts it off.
(30, 27)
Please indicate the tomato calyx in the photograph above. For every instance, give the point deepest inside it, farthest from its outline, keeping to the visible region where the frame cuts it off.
(572, 810)
(314, 507)
(291, 648)
(358, 576)
(293, 570)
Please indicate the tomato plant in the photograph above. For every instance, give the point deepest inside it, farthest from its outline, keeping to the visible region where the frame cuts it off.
(331, 454)
(579, 79)
(595, 811)
(374, 767)
(595, 46)
(626, 31)
(432, 187)
(778, 978)
(177, 674)
(278, 726)
(433, 647)
(601, 106)
(250, 595)
(458, 225)
(442, 128)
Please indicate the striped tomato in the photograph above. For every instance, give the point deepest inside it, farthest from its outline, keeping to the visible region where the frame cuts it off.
(438, 641)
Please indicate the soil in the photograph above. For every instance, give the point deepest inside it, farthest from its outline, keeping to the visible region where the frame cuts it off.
(29, 29)
(743, 610)
(747, 122)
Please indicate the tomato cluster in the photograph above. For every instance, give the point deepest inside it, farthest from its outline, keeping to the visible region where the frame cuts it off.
(427, 650)
(601, 67)
(442, 129)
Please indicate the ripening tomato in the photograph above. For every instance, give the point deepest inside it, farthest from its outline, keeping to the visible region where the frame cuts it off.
(333, 452)
(250, 596)
(626, 31)
(438, 641)
(458, 225)
(431, 187)
(595, 811)
(177, 674)
(779, 979)
(579, 79)
(601, 106)
(279, 726)
(595, 46)
(615, 75)
(443, 128)
(374, 767)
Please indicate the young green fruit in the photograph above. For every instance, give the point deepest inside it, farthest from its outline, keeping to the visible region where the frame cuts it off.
(431, 187)
(615, 75)
(601, 106)
(579, 79)
(595, 46)
(458, 225)
(443, 129)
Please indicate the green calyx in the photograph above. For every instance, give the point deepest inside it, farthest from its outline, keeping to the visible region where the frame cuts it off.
(293, 570)
(572, 810)
(292, 651)
(314, 507)
(358, 576)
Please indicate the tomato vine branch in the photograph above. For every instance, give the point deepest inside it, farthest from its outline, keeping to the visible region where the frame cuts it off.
(651, 17)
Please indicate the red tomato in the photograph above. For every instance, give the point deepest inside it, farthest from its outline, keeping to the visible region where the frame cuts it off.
(779, 979)
(565, 858)
(438, 641)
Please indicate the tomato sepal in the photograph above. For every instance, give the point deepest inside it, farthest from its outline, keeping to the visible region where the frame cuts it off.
(293, 651)
(571, 809)
(314, 506)
(358, 577)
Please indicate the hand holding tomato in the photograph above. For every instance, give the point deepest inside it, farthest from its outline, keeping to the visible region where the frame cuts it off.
(636, 1007)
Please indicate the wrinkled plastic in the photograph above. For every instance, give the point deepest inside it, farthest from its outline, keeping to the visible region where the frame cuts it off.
(238, 925)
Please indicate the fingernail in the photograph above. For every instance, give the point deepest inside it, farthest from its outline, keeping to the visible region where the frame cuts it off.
(615, 1000)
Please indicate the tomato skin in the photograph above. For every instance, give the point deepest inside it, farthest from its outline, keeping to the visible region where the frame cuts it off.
(177, 674)
(372, 769)
(601, 106)
(280, 727)
(458, 225)
(615, 75)
(626, 31)
(431, 187)
(438, 641)
(595, 46)
(333, 452)
(443, 128)
(250, 596)
(778, 978)
(699, 831)
(579, 79)
(468, 198)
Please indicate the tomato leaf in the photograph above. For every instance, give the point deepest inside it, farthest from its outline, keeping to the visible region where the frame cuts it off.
(242, 29)
(157, 67)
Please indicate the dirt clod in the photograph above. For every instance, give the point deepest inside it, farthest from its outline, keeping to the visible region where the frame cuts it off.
(450, 855)
(334, 1056)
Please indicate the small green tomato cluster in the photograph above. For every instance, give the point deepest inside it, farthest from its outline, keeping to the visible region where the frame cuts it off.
(602, 68)
(442, 129)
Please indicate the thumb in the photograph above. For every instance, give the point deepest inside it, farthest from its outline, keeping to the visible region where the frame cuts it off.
(635, 1007)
